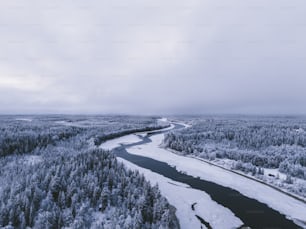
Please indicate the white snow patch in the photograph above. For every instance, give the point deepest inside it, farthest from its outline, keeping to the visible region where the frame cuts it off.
(183, 124)
(212, 212)
(224, 162)
(129, 139)
(32, 159)
(112, 144)
(281, 202)
(275, 173)
(163, 120)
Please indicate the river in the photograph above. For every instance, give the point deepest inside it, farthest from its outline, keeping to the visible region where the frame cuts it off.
(251, 212)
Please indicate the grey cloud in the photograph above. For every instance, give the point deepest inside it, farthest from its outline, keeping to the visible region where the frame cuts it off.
(154, 57)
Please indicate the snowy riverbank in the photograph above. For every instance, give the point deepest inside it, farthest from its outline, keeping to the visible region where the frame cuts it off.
(288, 206)
(292, 208)
(215, 214)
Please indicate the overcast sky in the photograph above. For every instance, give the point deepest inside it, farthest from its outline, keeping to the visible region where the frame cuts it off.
(153, 57)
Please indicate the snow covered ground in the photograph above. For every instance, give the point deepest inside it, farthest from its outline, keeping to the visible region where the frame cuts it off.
(215, 214)
(275, 173)
(271, 176)
(131, 138)
(162, 121)
(212, 212)
(287, 205)
(127, 139)
(229, 164)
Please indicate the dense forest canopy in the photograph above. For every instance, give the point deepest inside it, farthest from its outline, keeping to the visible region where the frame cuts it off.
(52, 175)
(19, 135)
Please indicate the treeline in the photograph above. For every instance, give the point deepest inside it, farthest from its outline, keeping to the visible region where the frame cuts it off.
(20, 142)
(249, 134)
(66, 191)
(98, 140)
(23, 137)
(268, 143)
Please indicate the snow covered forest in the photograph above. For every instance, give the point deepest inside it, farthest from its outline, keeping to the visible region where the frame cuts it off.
(249, 144)
(52, 175)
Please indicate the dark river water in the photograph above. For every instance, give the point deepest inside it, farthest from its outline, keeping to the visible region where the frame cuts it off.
(251, 212)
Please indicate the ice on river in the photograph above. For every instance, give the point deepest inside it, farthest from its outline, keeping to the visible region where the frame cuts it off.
(281, 202)
(181, 196)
